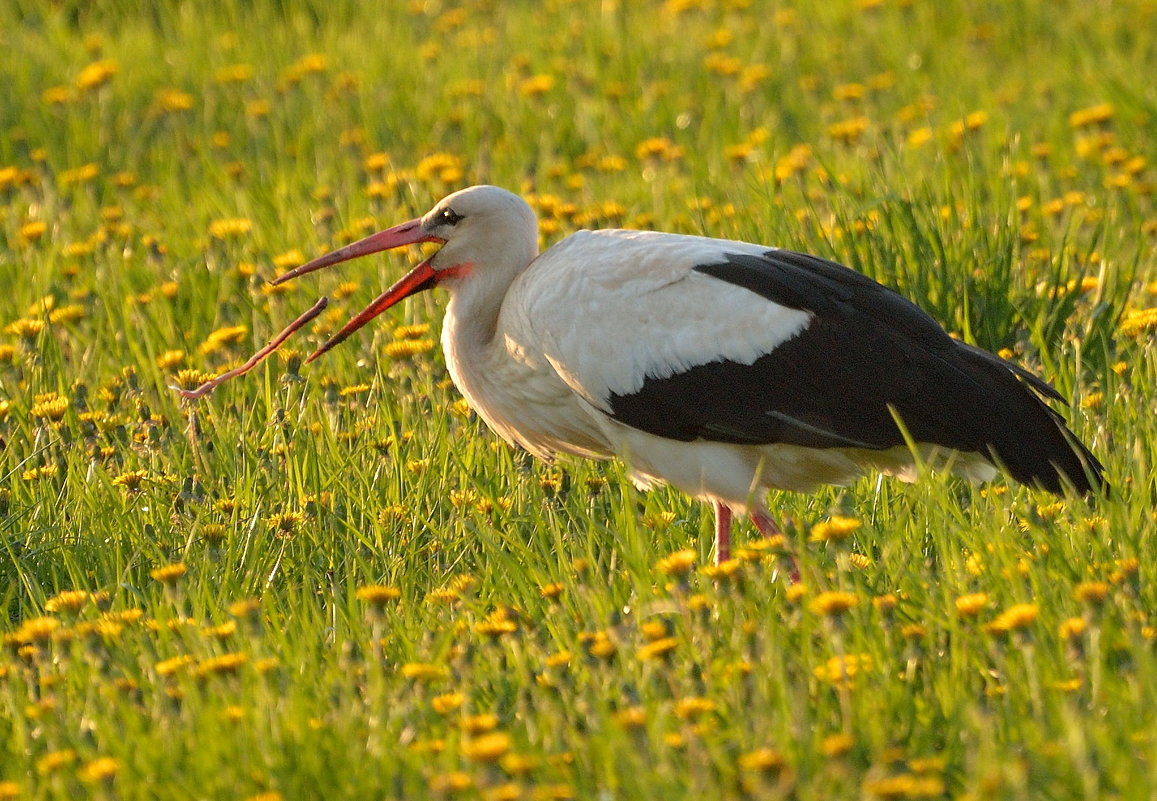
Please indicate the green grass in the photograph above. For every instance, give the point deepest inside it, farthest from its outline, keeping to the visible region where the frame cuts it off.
(930, 145)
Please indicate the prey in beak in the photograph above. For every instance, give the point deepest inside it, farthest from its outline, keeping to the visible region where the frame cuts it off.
(419, 279)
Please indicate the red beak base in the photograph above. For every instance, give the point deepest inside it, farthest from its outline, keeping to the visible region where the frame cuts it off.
(417, 280)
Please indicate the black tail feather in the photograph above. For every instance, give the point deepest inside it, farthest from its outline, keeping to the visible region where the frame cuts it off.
(1027, 437)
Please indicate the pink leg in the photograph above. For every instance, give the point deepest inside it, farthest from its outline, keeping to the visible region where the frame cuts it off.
(764, 523)
(768, 528)
(722, 532)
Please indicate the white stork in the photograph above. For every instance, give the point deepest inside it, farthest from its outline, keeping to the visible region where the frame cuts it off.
(722, 368)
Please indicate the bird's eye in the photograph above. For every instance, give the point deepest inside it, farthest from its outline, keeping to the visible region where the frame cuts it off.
(449, 217)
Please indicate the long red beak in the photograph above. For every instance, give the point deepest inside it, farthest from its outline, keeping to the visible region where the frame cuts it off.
(417, 280)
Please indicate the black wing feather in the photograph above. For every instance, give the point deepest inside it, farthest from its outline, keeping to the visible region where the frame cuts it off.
(866, 352)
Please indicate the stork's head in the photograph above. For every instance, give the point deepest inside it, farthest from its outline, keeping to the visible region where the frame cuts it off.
(488, 236)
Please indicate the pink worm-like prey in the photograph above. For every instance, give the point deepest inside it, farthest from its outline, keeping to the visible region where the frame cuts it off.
(256, 358)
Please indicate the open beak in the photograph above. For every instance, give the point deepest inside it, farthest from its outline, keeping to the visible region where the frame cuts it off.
(417, 280)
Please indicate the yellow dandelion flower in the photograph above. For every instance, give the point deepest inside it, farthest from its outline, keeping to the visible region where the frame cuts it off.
(849, 91)
(507, 791)
(285, 524)
(1138, 321)
(222, 665)
(229, 335)
(1093, 401)
(353, 389)
(448, 702)
(836, 745)
(558, 660)
(833, 603)
(68, 601)
(36, 629)
(443, 595)
(837, 529)
(658, 521)
(795, 593)
(50, 406)
(454, 782)
(97, 74)
(233, 74)
(170, 359)
(551, 591)
(169, 574)
(655, 629)
(32, 231)
(131, 481)
(913, 631)
(434, 746)
(489, 747)
(678, 563)
(311, 63)
(190, 378)
(838, 670)
(496, 624)
(1094, 115)
(64, 315)
(84, 174)
(414, 331)
(56, 95)
(631, 717)
(1125, 570)
(657, 649)
(600, 645)
(729, 570)
(55, 760)
(722, 64)
(102, 769)
(536, 86)
(752, 77)
(689, 708)
(172, 100)
(438, 166)
(478, 724)
(1092, 593)
(905, 785)
(658, 148)
(1072, 628)
(222, 631)
(377, 594)
(26, 328)
(972, 604)
(1015, 618)
(175, 665)
(400, 349)
(422, 672)
(230, 227)
(268, 795)
(36, 473)
(849, 131)
(975, 120)
(288, 259)
(762, 760)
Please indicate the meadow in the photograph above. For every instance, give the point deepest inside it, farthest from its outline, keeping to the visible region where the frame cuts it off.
(333, 581)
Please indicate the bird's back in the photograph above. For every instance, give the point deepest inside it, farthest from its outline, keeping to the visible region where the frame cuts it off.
(689, 338)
